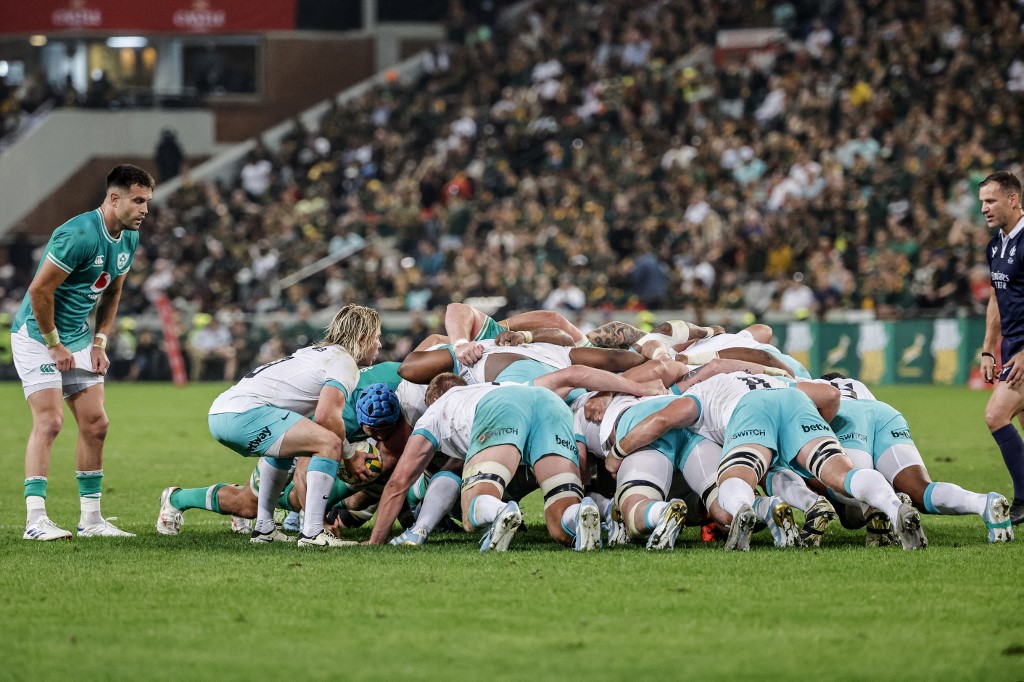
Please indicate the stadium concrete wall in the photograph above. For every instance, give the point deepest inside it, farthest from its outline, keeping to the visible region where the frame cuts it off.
(44, 159)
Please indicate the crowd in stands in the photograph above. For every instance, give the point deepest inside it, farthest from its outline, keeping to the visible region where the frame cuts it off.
(603, 155)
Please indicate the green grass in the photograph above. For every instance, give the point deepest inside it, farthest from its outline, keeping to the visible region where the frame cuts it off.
(207, 605)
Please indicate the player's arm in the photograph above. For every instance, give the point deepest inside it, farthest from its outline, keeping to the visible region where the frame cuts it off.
(826, 398)
(106, 311)
(462, 323)
(431, 340)
(752, 355)
(720, 366)
(606, 358)
(417, 454)
(676, 415)
(41, 296)
(328, 414)
(420, 366)
(537, 320)
(563, 381)
(993, 328)
(556, 337)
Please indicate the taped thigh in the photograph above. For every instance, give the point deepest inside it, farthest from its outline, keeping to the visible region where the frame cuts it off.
(826, 450)
(745, 457)
(561, 487)
(486, 472)
(645, 472)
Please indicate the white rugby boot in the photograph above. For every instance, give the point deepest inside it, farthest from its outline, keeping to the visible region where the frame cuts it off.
(103, 529)
(671, 522)
(740, 530)
(323, 540)
(44, 530)
(588, 527)
(908, 528)
(503, 528)
(169, 521)
(997, 518)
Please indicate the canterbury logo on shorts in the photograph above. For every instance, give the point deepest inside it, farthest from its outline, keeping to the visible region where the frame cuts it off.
(50, 368)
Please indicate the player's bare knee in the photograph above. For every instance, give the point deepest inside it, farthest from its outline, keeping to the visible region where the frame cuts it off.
(996, 417)
(47, 426)
(95, 427)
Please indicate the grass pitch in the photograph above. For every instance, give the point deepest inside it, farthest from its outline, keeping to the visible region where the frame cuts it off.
(207, 605)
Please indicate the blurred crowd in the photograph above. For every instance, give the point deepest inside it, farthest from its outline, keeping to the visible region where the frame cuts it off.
(605, 155)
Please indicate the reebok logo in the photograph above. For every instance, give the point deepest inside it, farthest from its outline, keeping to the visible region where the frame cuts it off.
(262, 436)
(49, 368)
(563, 443)
(813, 427)
(902, 433)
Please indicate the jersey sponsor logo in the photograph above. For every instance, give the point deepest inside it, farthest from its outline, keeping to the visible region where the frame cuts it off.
(49, 368)
(98, 262)
(859, 437)
(900, 433)
(747, 434)
(101, 283)
(563, 443)
(808, 428)
(261, 437)
(507, 431)
(122, 260)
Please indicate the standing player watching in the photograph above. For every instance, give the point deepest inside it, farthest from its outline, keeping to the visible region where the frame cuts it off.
(1000, 196)
(83, 267)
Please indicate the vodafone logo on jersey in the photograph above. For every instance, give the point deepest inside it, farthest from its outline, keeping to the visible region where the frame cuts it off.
(101, 283)
(77, 15)
(200, 18)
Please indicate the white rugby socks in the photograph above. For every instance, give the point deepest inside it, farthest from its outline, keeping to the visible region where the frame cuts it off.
(867, 485)
(733, 493)
(947, 498)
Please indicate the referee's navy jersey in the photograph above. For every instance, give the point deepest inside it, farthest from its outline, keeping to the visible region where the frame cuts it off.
(1006, 263)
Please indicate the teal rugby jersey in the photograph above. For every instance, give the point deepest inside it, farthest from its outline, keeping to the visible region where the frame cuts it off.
(84, 249)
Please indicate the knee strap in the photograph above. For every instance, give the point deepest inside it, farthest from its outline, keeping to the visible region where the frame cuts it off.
(826, 450)
(560, 487)
(709, 496)
(743, 457)
(645, 489)
(486, 472)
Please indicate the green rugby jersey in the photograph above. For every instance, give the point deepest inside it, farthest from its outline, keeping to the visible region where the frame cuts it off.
(381, 373)
(84, 249)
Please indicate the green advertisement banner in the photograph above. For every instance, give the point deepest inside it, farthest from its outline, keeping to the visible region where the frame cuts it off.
(941, 351)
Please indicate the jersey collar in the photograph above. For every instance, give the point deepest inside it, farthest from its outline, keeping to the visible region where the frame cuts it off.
(1014, 232)
(106, 232)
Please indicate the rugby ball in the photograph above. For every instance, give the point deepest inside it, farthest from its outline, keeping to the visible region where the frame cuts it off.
(370, 456)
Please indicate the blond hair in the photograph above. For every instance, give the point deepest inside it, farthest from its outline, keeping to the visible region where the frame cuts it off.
(354, 328)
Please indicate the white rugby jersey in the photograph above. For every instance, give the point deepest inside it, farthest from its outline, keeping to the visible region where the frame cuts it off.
(721, 341)
(849, 389)
(449, 421)
(293, 382)
(413, 399)
(590, 431)
(548, 353)
(718, 397)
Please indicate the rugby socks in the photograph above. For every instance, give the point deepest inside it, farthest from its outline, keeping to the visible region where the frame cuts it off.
(441, 495)
(947, 498)
(1012, 448)
(867, 485)
(763, 507)
(35, 498)
(319, 482)
(569, 519)
(483, 509)
(197, 498)
(90, 484)
(273, 479)
(652, 514)
(791, 488)
(603, 504)
(733, 493)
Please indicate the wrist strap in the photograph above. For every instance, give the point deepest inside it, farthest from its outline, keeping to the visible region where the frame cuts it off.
(348, 451)
(986, 354)
(616, 451)
(100, 341)
(527, 337)
(51, 339)
(459, 342)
